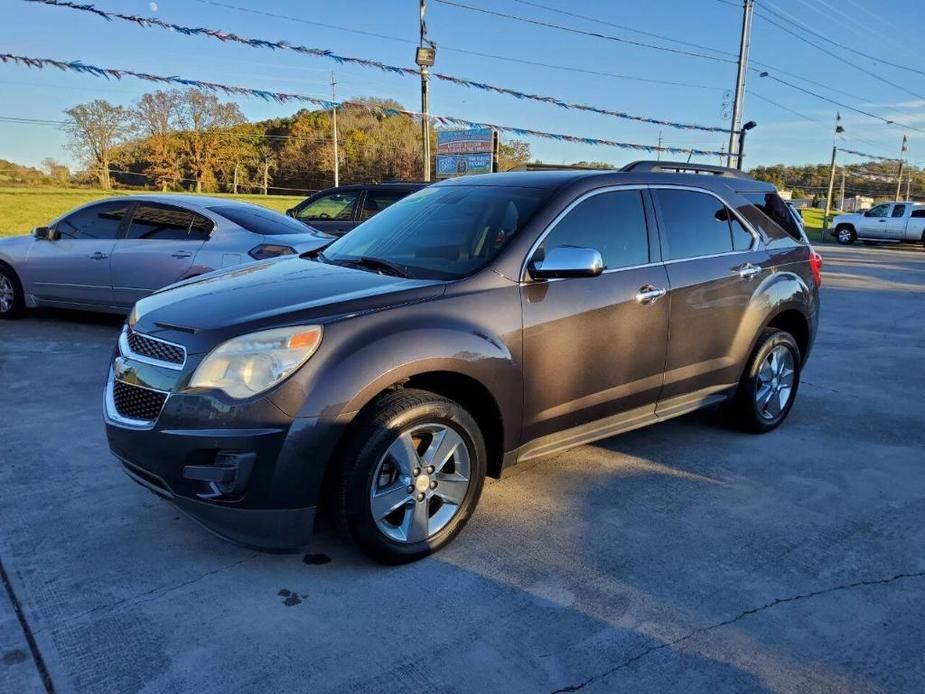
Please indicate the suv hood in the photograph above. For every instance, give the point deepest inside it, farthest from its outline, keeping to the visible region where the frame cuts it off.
(266, 294)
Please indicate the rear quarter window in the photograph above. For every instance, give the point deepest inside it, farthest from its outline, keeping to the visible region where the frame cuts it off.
(261, 221)
(772, 207)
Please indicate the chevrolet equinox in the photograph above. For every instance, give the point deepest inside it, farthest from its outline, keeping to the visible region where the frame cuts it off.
(479, 322)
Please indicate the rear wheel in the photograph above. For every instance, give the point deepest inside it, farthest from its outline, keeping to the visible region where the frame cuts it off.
(11, 296)
(845, 235)
(411, 477)
(769, 385)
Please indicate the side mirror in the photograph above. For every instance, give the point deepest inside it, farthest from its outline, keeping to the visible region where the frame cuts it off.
(46, 233)
(568, 261)
(867, 214)
(290, 212)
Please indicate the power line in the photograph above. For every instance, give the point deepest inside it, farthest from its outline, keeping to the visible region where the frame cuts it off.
(573, 30)
(829, 53)
(767, 6)
(598, 20)
(148, 22)
(751, 92)
(456, 49)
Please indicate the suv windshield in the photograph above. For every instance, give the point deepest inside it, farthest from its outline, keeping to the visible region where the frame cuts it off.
(441, 232)
(261, 221)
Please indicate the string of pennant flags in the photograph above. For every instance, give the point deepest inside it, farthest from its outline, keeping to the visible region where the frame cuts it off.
(289, 97)
(863, 154)
(225, 36)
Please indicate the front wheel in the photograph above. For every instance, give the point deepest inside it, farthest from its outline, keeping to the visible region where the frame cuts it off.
(845, 235)
(769, 385)
(12, 304)
(411, 477)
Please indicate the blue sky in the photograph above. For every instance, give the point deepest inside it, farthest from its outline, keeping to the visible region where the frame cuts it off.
(891, 29)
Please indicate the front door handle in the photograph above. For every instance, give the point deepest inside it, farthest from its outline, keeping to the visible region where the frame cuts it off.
(648, 294)
(748, 271)
(98, 255)
(181, 254)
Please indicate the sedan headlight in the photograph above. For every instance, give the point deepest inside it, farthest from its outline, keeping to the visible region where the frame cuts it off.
(247, 365)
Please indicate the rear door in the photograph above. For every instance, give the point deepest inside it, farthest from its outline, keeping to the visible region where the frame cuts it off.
(594, 347)
(75, 268)
(158, 249)
(374, 201)
(334, 213)
(713, 269)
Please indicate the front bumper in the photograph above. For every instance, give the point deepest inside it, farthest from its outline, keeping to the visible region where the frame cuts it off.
(182, 453)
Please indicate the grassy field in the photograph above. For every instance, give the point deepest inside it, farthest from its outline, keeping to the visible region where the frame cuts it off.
(23, 209)
(812, 218)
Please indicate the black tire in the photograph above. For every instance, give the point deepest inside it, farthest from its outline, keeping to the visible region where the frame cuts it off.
(845, 235)
(392, 414)
(745, 410)
(17, 307)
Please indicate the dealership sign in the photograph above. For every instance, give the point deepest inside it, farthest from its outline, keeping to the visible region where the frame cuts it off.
(461, 152)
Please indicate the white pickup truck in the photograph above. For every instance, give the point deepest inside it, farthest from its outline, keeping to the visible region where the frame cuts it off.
(889, 221)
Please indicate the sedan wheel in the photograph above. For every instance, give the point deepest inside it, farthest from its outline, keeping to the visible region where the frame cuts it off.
(11, 299)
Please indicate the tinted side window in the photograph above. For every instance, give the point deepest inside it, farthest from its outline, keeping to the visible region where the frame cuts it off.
(898, 210)
(741, 239)
(695, 224)
(96, 222)
(157, 223)
(338, 206)
(201, 228)
(376, 201)
(774, 207)
(612, 223)
(918, 213)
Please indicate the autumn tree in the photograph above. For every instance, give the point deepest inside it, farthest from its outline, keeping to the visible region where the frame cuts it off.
(56, 170)
(512, 154)
(205, 139)
(157, 119)
(96, 129)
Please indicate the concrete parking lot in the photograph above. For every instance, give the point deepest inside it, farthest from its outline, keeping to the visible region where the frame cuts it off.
(683, 557)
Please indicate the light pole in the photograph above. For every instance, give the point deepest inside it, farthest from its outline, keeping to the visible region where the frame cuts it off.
(902, 161)
(334, 131)
(424, 56)
(741, 153)
(737, 103)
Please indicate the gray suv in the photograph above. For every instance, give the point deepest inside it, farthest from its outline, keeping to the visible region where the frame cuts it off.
(474, 324)
(106, 255)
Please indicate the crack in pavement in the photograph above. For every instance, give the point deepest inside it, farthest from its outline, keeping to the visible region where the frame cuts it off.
(733, 620)
(155, 593)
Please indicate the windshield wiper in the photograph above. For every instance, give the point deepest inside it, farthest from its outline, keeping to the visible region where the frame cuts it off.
(317, 254)
(378, 264)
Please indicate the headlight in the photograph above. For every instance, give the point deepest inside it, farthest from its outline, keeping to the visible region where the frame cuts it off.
(247, 365)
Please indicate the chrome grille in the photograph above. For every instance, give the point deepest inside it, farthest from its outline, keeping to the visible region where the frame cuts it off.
(134, 402)
(158, 350)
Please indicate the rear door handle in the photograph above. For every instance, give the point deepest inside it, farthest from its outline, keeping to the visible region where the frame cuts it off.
(648, 294)
(181, 254)
(98, 255)
(748, 271)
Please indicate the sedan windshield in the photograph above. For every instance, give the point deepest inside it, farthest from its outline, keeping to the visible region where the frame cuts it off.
(440, 232)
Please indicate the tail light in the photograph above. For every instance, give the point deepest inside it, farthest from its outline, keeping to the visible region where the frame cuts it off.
(815, 264)
(269, 250)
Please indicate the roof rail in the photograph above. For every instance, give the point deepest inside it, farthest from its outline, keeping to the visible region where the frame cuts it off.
(684, 167)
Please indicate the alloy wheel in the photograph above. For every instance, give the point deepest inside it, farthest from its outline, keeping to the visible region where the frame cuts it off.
(420, 482)
(6, 294)
(775, 383)
(844, 236)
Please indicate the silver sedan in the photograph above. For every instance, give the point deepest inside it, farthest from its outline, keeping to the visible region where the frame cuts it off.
(106, 255)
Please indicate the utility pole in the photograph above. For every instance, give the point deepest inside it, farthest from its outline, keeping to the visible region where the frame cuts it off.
(334, 129)
(828, 198)
(722, 154)
(235, 179)
(902, 161)
(424, 57)
(266, 176)
(738, 101)
(659, 155)
(841, 203)
(909, 187)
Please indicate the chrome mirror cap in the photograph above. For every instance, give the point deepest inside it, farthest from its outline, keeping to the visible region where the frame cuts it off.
(568, 261)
